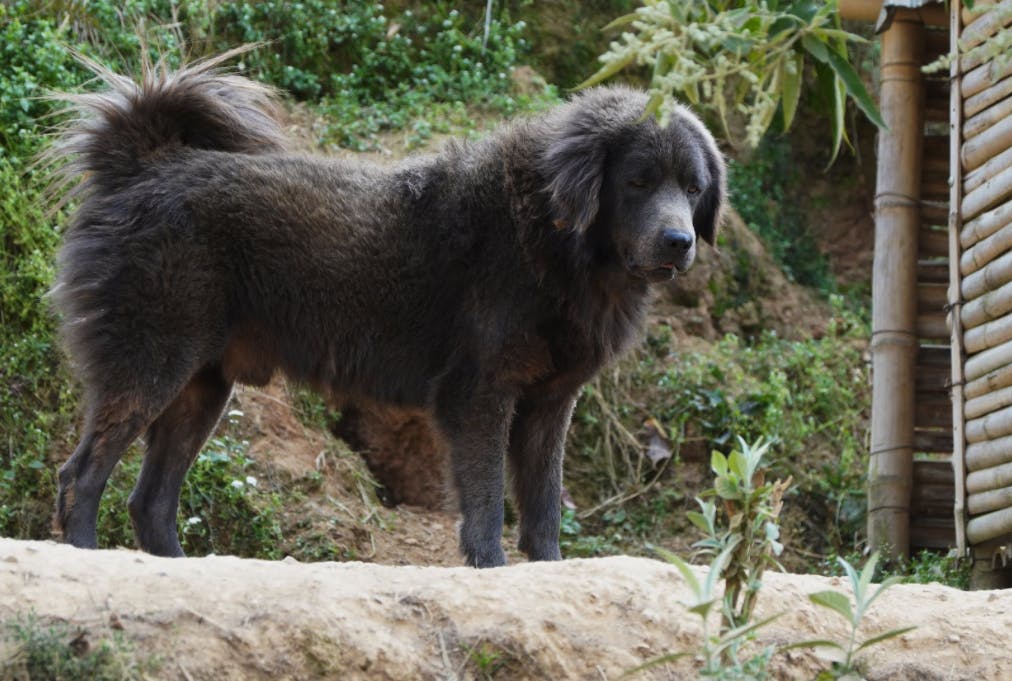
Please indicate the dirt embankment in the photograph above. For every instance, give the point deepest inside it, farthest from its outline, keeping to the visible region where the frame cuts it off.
(224, 618)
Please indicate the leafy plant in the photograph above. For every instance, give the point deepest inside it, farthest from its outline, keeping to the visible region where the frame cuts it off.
(844, 656)
(30, 649)
(740, 60)
(741, 535)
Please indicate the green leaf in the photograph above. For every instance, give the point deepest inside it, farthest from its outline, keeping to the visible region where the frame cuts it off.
(726, 489)
(687, 574)
(718, 464)
(663, 659)
(699, 520)
(867, 574)
(739, 466)
(855, 88)
(607, 71)
(815, 47)
(891, 581)
(624, 20)
(814, 643)
(793, 70)
(834, 600)
(882, 637)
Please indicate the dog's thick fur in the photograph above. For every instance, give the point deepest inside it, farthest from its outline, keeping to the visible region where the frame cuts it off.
(485, 284)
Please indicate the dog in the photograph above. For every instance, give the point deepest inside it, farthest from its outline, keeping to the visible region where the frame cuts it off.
(484, 284)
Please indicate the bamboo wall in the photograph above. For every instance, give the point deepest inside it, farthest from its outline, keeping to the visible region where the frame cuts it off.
(982, 189)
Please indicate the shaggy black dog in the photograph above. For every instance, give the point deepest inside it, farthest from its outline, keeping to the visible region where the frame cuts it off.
(486, 283)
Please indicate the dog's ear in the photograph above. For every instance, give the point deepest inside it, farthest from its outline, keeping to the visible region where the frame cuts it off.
(573, 163)
(707, 215)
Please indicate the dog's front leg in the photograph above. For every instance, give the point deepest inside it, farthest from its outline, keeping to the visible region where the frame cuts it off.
(537, 441)
(477, 427)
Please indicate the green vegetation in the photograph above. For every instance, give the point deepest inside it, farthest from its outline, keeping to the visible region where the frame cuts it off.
(741, 536)
(741, 61)
(808, 396)
(31, 649)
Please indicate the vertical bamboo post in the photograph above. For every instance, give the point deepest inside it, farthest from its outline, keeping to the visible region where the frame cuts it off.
(955, 280)
(894, 285)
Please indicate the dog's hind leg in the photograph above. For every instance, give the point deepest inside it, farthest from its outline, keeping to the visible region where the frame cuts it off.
(173, 441)
(111, 426)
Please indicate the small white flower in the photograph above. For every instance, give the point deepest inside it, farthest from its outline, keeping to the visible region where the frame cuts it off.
(193, 520)
(251, 481)
(238, 484)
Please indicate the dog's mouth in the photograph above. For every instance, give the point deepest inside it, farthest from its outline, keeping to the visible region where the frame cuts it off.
(665, 272)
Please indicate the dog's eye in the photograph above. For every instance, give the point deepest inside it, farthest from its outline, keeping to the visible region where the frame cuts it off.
(638, 182)
(692, 189)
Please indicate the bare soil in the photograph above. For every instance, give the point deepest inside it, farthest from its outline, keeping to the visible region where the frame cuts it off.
(225, 618)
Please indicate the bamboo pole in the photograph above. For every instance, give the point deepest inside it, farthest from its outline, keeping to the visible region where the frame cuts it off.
(987, 144)
(987, 97)
(988, 454)
(993, 275)
(894, 282)
(985, 238)
(988, 307)
(971, 14)
(985, 119)
(987, 361)
(994, 425)
(991, 478)
(988, 402)
(993, 380)
(992, 500)
(984, 76)
(977, 177)
(995, 190)
(958, 354)
(989, 526)
(987, 336)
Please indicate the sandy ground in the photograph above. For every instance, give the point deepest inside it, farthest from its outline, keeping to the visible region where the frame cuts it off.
(226, 618)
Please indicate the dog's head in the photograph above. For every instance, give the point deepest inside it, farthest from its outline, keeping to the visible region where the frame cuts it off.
(645, 193)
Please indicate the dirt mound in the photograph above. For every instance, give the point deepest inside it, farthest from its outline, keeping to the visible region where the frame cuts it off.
(226, 618)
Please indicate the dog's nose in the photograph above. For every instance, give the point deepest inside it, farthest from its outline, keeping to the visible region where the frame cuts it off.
(677, 240)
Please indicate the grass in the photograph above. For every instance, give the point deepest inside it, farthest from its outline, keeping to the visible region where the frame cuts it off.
(31, 648)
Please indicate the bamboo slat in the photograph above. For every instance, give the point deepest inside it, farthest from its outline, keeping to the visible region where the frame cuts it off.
(987, 361)
(931, 297)
(993, 166)
(992, 500)
(932, 379)
(993, 380)
(933, 440)
(932, 243)
(988, 402)
(987, 307)
(986, 479)
(988, 278)
(987, 144)
(932, 326)
(929, 272)
(989, 526)
(970, 14)
(987, 21)
(977, 124)
(993, 425)
(985, 238)
(935, 213)
(987, 97)
(983, 77)
(933, 355)
(988, 454)
(989, 335)
(994, 191)
(930, 412)
(935, 187)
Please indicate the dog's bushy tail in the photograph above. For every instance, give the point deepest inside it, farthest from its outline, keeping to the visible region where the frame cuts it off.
(111, 133)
